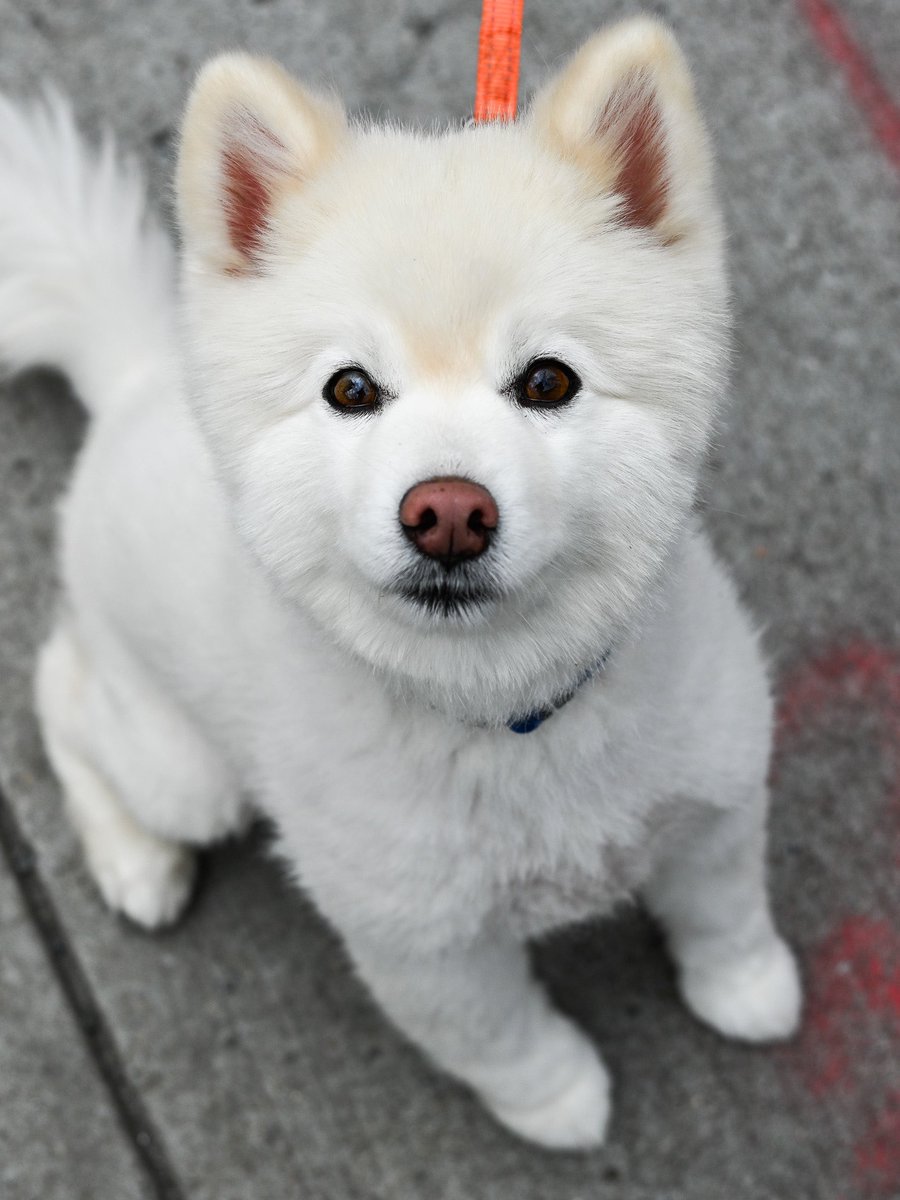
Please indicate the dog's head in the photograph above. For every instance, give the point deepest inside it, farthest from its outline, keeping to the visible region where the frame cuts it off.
(458, 384)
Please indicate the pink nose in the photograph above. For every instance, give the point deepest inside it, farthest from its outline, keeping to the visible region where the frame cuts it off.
(450, 519)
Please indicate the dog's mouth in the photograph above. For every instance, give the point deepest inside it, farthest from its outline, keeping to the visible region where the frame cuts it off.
(447, 594)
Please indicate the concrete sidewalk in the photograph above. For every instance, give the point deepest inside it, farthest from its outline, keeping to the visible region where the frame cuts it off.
(236, 1058)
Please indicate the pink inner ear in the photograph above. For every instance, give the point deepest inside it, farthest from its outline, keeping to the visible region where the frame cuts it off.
(247, 201)
(634, 122)
(251, 164)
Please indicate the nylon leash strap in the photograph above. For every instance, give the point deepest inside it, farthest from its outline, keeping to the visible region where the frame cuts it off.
(499, 49)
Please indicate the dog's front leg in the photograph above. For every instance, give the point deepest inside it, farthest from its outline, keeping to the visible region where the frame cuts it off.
(477, 1011)
(709, 893)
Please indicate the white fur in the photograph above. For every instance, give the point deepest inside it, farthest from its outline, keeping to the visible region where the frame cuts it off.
(229, 545)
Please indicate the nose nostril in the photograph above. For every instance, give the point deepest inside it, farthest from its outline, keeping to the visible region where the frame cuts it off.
(476, 522)
(427, 521)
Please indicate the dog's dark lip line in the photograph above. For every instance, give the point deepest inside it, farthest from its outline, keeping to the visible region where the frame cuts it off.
(442, 595)
(445, 599)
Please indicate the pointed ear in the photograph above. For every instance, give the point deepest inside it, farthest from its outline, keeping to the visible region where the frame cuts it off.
(623, 109)
(251, 134)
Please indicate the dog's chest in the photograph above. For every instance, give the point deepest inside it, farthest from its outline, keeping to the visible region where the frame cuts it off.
(545, 895)
(558, 855)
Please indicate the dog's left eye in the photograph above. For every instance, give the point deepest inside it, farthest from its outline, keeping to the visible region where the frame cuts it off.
(352, 390)
(546, 383)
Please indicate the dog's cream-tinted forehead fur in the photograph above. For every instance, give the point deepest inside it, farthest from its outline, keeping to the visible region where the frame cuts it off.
(443, 233)
(480, 248)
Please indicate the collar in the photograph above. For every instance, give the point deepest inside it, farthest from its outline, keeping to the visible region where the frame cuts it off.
(530, 722)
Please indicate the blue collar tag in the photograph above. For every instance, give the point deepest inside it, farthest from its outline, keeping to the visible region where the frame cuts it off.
(530, 723)
(533, 720)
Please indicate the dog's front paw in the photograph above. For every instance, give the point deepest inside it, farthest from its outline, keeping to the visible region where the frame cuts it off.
(755, 998)
(145, 878)
(573, 1118)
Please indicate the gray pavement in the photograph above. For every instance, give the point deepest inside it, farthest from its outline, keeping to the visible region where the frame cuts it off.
(236, 1058)
(54, 1111)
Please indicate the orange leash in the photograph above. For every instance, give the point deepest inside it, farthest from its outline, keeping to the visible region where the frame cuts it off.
(499, 45)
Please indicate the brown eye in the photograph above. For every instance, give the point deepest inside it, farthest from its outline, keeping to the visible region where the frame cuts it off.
(351, 390)
(547, 383)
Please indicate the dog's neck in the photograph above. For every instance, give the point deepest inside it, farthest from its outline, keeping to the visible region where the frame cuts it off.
(533, 720)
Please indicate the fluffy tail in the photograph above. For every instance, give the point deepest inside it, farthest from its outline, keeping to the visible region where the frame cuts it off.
(86, 278)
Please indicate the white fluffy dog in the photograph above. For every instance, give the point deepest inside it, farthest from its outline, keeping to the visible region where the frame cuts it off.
(387, 531)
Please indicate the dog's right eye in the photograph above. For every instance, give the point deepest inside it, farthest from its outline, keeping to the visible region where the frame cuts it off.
(352, 390)
(546, 383)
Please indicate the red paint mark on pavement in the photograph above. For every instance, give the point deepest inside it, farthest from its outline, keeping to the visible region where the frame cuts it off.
(859, 673)
(853, 976)
(878, 106)
(878, 1154)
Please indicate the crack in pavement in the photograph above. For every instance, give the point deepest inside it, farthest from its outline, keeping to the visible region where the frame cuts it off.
(78, 993)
